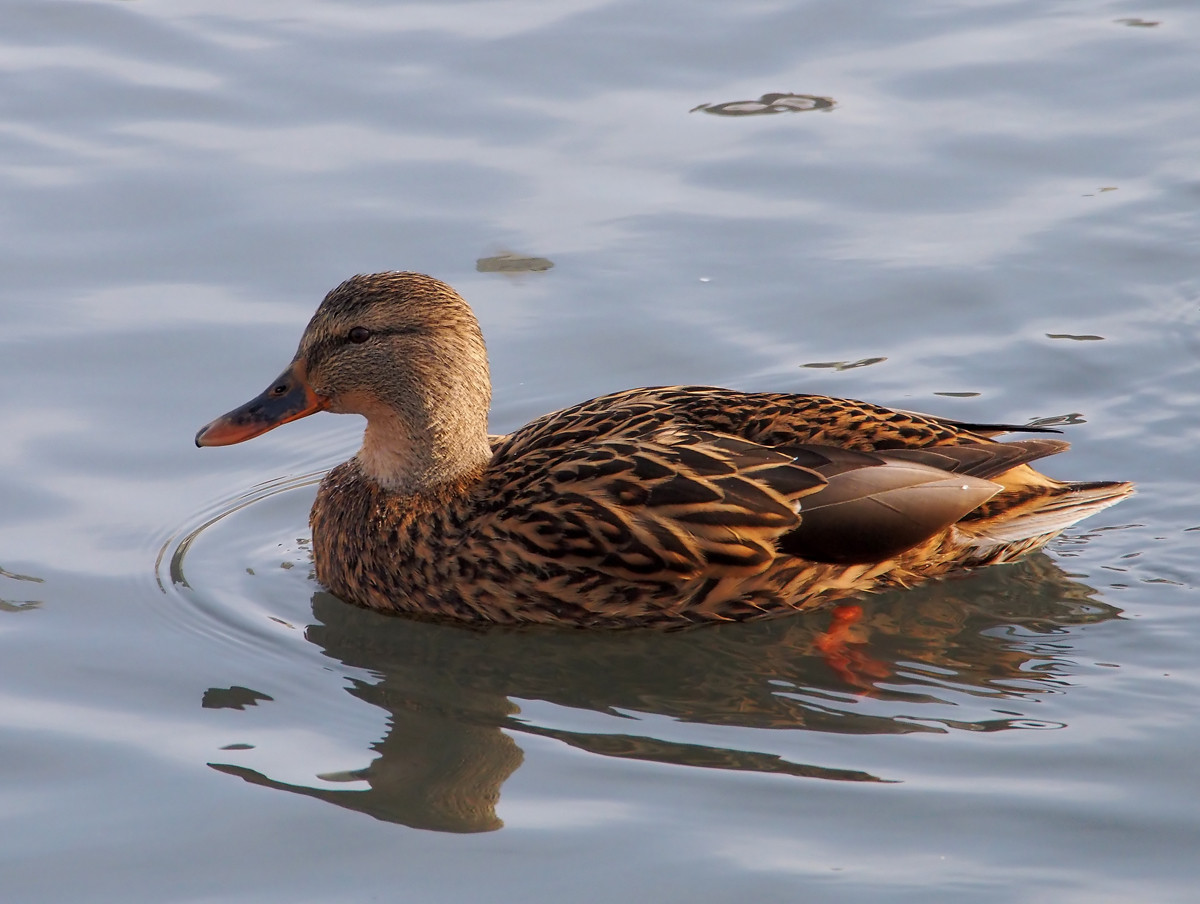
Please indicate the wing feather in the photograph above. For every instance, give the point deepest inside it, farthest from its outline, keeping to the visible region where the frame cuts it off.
(674, 482)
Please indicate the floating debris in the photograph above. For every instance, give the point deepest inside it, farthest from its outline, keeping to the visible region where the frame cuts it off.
(845, 365)
(509, 262)
(959, 395)
(1078, 337)
(1136, 23)
(767, 105)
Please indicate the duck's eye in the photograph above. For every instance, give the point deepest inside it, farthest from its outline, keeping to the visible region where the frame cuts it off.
(358, 335)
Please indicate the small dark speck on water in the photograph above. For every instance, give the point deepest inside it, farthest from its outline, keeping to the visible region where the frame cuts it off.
(845, 365)
(1058, 420)
(19, 606)
(20, 577)
(508, 262)
(767, 105)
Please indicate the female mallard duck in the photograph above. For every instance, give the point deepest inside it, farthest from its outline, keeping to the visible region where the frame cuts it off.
(645, 507)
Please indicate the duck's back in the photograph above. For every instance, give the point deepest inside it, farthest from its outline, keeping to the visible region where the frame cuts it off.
(766, 418)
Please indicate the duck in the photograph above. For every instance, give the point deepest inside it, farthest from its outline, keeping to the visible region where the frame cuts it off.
(659, 506)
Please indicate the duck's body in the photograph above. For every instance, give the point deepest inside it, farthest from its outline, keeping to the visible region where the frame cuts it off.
(651, 506)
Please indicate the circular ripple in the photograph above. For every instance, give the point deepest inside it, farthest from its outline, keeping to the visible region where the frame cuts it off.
(241, 571)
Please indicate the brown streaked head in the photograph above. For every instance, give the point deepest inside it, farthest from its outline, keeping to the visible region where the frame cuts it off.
(402, 349)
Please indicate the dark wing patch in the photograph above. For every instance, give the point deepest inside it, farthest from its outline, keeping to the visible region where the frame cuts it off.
(875, 512)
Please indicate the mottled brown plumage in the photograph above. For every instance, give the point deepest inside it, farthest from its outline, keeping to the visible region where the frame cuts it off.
(660, 506)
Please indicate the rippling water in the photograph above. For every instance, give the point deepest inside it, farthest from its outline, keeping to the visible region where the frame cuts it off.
(983, 210)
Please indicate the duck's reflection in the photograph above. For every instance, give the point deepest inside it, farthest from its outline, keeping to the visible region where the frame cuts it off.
(450, 691)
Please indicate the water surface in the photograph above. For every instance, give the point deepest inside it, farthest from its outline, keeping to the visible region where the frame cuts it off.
(985, 211)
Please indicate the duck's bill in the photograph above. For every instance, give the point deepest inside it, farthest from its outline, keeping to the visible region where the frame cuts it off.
(287, 398)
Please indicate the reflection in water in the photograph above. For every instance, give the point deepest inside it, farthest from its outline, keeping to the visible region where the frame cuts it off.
(236, 697)
(443, 760)
(768, 104)
(997, 637)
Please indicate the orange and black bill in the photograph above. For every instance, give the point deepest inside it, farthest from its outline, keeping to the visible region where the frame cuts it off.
(289, 397)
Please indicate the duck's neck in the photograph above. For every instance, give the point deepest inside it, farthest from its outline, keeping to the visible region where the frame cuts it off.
(445, 455)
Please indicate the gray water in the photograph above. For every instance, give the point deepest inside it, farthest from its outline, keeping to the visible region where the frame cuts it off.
(984, 210)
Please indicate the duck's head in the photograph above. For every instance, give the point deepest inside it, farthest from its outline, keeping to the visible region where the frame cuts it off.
(405, 351)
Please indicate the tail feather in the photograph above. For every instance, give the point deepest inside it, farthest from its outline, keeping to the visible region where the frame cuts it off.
(1040, 519)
